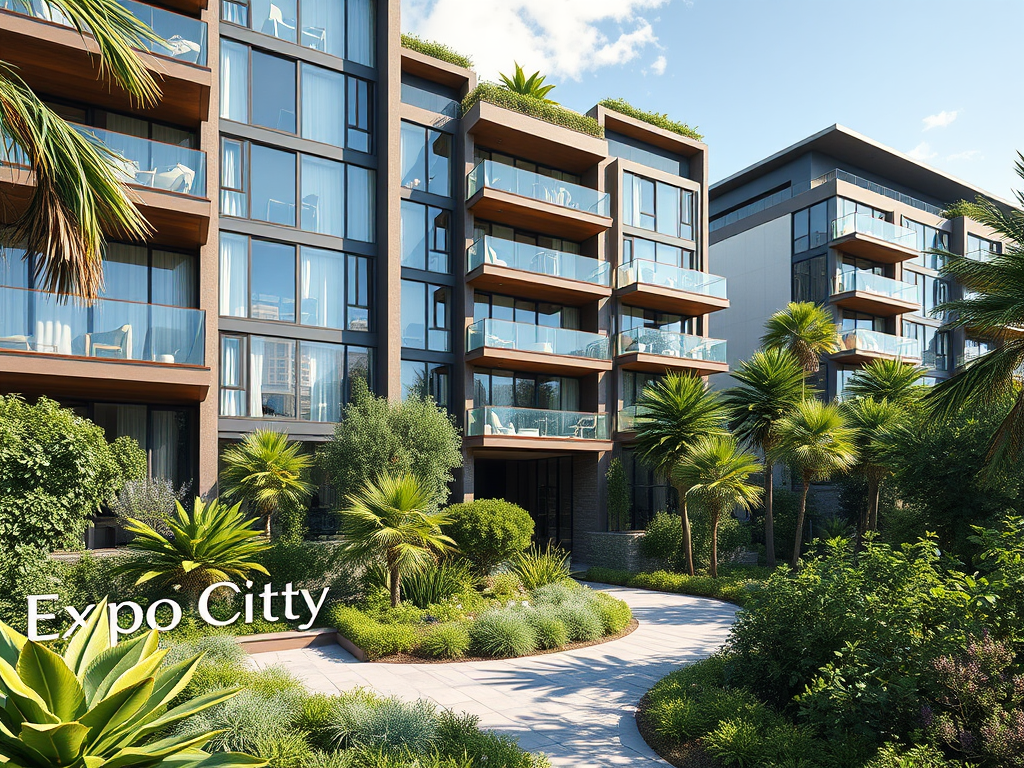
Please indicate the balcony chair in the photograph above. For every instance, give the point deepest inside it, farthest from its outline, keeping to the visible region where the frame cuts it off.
(54, 337)
(177, 179)
(20, 343)
(583, 425)
(494, 427)
(180, 48)
(491, 257)
(115, 344)
(317, 37)
(276, 19)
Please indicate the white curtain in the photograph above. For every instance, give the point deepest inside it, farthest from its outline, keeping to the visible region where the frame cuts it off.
(361, 192)
(256, 350)
(323, 26)
(361, 32)
(323, 288)
(326, 364)
(323, 104)
(174, 279)
(323, 196)
(234, 274)
(164, 456)
(14, 304)
(570, 394)
(234, 85)
(230, 402)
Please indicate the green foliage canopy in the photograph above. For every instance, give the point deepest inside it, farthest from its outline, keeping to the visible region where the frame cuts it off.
(487, 532)
(435, 50)
(656, 119)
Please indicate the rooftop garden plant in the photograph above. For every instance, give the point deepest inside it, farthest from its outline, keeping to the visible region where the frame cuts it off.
(501, 96)
(532, 86)
(436, 50)
(962, 208)
(656, 119)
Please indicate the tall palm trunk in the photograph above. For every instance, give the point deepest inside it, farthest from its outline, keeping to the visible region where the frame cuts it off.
(395, 579)
(687, 533)
(716, 512)
(800, 523)
(769, 517)
(266, 512)
(874, 489)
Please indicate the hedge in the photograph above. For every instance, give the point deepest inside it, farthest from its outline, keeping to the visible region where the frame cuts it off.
(654, 118)
(436, 50)
(733, 588)
(555, 114)
(373, 637)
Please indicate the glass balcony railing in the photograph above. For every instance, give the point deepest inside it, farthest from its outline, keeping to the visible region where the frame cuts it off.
(654, 341)
(536, 422)
(864, 340)
(491, 175)
(981, 254)
(35, 321)
(626, 419)
(181, 38)
(862, 223)
(670, 276)
(540, 261)
(869, 282)
(525, 337)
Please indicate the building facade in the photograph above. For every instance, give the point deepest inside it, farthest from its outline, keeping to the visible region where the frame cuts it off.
(843, 221)
(322, 211)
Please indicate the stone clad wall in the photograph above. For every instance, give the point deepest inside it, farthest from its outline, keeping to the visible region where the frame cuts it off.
(611, 549)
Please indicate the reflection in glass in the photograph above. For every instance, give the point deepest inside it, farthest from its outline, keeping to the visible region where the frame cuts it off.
(273, 185)
(273, 281)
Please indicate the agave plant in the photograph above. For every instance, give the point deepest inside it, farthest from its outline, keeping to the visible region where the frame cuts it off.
(211, 542)
(532, 86)
(100, 705)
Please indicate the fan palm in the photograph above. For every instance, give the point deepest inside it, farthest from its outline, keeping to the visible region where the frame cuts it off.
(815, 442)
(993, 309)
(672, 414)
(209, 543)
(715, 471)
(393, 521)
(805, 329)
(771, 385)
(266, 471)
(77, 195)
(887, 379)
(532, 86)
(874, 422)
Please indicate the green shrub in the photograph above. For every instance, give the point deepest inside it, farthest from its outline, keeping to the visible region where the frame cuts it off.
(286, 750)
(458, 736)
(654, 118)
(619, 496)
(735, 589)
(662, 539)
(436, 50)
(375, 638)
(316, 718)
(388, 723)
(488, 532)
(901, 756)
(502, 633)
(445, 641)
(551, 113)
(506, 585)
(582, 620)
(963, 208)
(609, 576)
(557, 593)
(249, 719)
(433, 584)
(550, 630)
(615, 614)
(538, 567)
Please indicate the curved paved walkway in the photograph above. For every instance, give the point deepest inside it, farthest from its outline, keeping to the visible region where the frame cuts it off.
(575, 706)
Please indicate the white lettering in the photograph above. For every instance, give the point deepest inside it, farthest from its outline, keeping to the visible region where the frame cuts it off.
(248, 603)
(80, 619)
(314, 608)
(115, 629)
(175, 615)
(267, 596)
(289, 593)
(34, 617)
(204, 604)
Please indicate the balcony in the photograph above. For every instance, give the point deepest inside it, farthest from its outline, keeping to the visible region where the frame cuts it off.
(668, 288)
(38, 39)
(526, 347)
(655, 350)
(870, 238)
(864, 291)
(528, 200)
(626, 418)
(861, 345)
(506, 427)
(113, 348)
(509, 267)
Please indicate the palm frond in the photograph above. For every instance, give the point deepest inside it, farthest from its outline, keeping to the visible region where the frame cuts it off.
(816, 441)
(885, 379)
(805, 329)
(532, 86)
(771, 384)
(717, 471)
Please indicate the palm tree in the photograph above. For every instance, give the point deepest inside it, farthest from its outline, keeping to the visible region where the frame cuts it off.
(874, 422)
(771, 385)
(77, 195)
(806, 329)
(672, 414)
(393, 521)
(266, 471)
(816, 442)
(994, 309)
(886, 379)
(532, 86)
(715, 470)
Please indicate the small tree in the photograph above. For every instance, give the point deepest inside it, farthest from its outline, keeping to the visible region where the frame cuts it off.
(806, 329)
(489, 531)
(892, 380)
(619, 505)
(377, 435)
(392, 521)
(266, 470)
(876, 423)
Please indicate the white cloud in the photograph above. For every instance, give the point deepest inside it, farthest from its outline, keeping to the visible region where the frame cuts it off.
(970, 154)
(941, 120)
(561, 38)
(658, 67)
(922, 152)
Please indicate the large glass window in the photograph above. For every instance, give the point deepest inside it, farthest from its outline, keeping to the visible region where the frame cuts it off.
(633, 384)
(851, 320)
(361, 208)
(810, 227)
(323, 196)
(658, 206)
(273, 92)
(525, 390)
(273, 281)
(234, 81)
(544, 242)
(979, 247)
(426, 159)
(422, 380)
(323, 105)
(497, 307)
(931, 291)
(934, 345)
(810, 280)
(272, 185)
(845, 207)
(928, 239)
(425, 316)
(425, 237)
(638, 248)
(634, 318)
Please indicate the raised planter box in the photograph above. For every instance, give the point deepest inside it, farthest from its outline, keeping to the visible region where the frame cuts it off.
(289, 641)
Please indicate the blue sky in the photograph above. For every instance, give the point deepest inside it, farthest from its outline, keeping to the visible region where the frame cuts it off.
(937, 79)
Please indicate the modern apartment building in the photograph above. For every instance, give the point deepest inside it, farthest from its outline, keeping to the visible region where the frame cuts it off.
(323, 211)
(841, 220)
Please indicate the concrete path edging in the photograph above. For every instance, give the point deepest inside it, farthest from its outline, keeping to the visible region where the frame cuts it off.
(576, 706)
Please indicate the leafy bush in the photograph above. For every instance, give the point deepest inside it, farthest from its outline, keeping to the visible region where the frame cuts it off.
(506, 585)
(286, 750)
(316, 718)
(433, 584)
(445, 641)
(654, 118)
(376, 639)
(662, 539)
(488, 532)
(539, 567)
(550, 630)
(551, 113)
(391, 724)
(436, 50)
(900, 756)
(615, 614)
(308, 565)
(458, 736)
(734, 588)
(150, 501)
(963, 208)
(609, 576)
(582, 620)
(502, 633)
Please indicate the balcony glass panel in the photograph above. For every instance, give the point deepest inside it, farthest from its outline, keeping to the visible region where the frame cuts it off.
(869, 282)
(153, 164)
(653, 341)
(864, 340)
(536, 422)
(862, 223)
(540, 261)
(670, 276)
(627, 418)
(981, 254)
(35, 321)
(182, 38)
(491, 175)
(525, 337)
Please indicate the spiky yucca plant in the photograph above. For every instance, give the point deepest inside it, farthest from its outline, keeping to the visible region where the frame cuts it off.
(101, 704)
(532, 86)
(209, 543)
